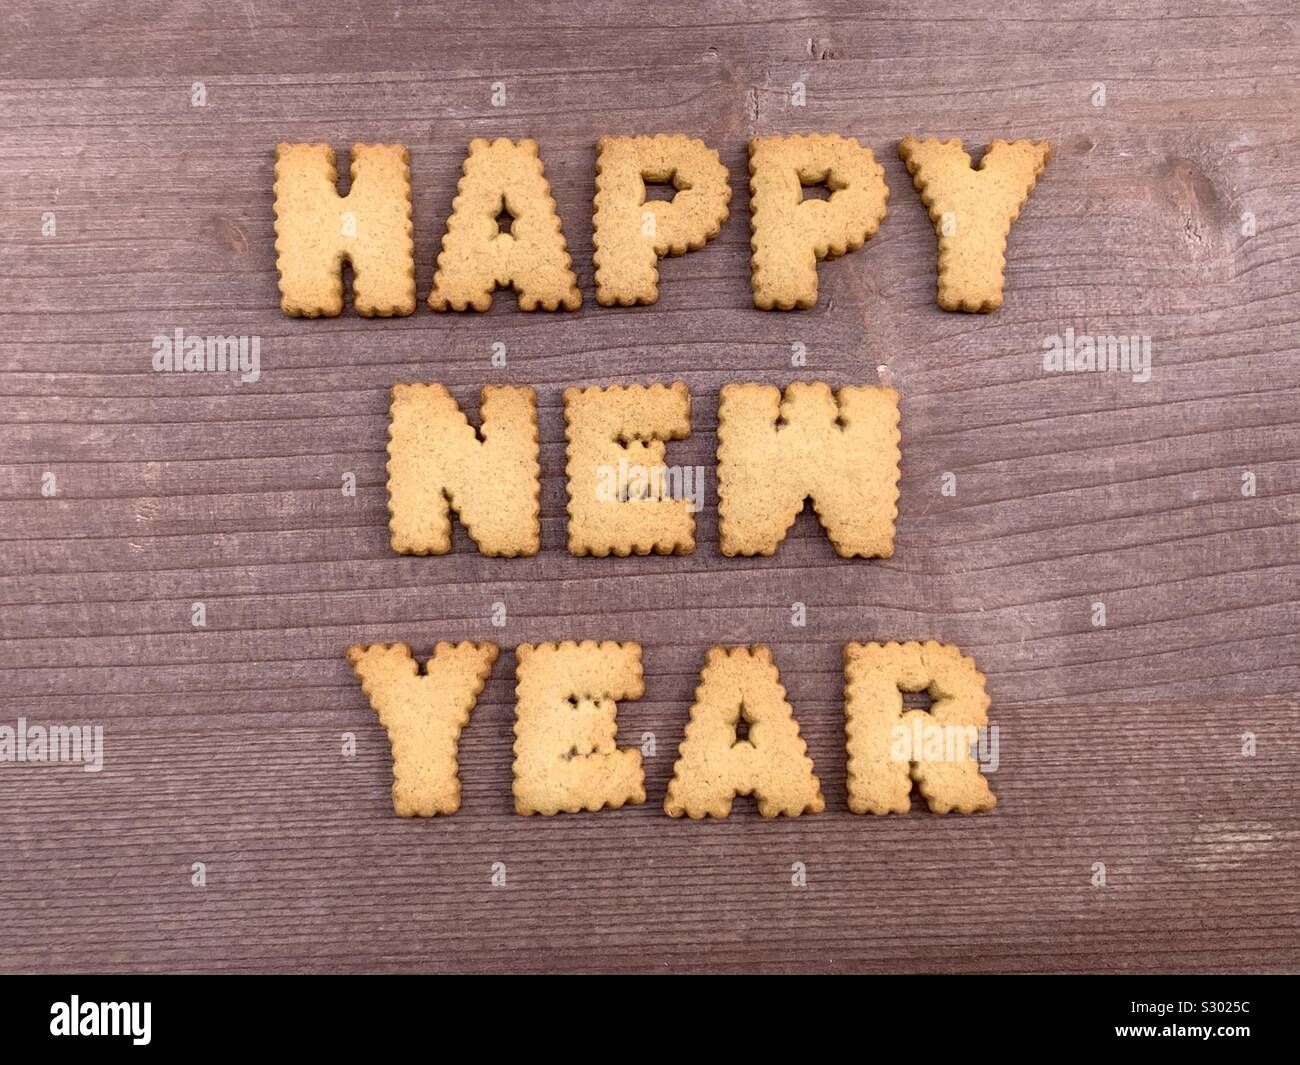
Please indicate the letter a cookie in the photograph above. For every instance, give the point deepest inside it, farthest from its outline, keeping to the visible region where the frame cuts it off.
(771, 762)
(479, 255)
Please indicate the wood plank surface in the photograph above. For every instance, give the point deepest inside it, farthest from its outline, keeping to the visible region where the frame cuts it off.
(1120, 744)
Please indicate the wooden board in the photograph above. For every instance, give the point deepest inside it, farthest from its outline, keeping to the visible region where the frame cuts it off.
(1120, 744)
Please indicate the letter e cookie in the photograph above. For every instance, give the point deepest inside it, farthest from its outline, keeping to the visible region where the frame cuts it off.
(565, 727)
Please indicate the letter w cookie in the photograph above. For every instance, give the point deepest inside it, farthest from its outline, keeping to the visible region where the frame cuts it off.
(777, 449)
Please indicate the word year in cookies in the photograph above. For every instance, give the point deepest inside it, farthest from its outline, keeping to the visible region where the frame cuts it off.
(567, 758)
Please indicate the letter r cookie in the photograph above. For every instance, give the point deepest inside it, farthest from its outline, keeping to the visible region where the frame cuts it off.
(890, 746)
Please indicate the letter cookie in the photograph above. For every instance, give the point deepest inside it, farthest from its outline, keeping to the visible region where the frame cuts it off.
(437, 463)
(424, 712)
(317, 230)
(619, 488)
(791, 233)
(890, 747)
(775, 450)
(631, 235)
(565, 757)
(479, 256)
(972, 211)
(771, 763)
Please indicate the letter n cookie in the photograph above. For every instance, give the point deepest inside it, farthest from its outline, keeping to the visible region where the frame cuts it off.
(437, 463)
(504, 232)
(716, 764)
(777, 449)
(792, 233)
(567, 700)
(317, 230)
(620, 491)
(424, 712)
(631, 235)
(972, 210)
(891, 747)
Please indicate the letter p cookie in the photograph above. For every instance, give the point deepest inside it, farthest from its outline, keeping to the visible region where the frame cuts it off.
(631, 234)
(791, 233)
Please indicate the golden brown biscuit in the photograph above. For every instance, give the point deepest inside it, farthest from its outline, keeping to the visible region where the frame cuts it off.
(791, 233)
(424, 712)
(478, 256)
(631, 235)
(317, 230)
(771, 763)
(567, 699)
(622, 430)
(890, 747)
(438, 462)
(776, 449)
(972, 210)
